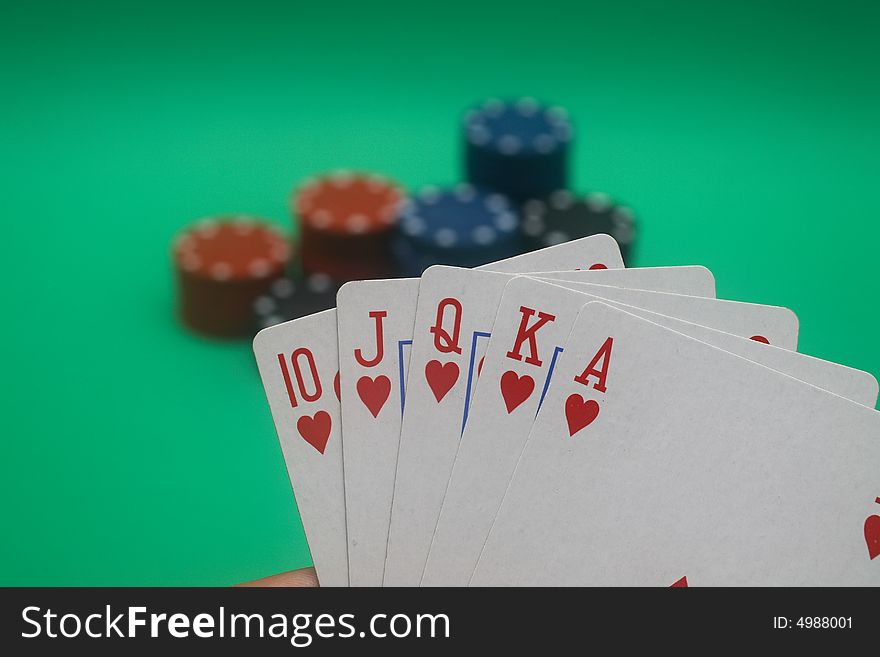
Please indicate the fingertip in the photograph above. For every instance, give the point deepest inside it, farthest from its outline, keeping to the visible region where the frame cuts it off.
(302, 578)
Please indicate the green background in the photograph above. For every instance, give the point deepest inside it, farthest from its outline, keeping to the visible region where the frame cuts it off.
(746, 136)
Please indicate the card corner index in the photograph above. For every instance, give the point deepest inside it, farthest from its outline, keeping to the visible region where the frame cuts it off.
(612, 244)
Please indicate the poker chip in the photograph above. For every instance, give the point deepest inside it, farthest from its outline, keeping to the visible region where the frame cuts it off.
(290, 298)
(561, 217)
(519, 148)
(222, 264)
(345, 203)
(346, 221)
(464, 226)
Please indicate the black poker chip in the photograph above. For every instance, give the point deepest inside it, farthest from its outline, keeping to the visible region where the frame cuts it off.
(291, 298)
(562, 217)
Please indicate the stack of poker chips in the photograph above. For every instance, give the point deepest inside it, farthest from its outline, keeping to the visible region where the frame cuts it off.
(521, 149)
(222, 265)
(346, 222)
(236, 274)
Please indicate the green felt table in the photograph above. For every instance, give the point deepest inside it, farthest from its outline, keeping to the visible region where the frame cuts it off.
(745, 135)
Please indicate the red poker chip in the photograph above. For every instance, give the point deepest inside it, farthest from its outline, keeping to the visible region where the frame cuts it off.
(347, 204)
(343, 270)
(232, 248)
(222, 265)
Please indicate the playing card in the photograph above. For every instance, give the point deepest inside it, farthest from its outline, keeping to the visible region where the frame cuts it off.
(298, 363)
(768, 324)
(375, 331)
(452, 321)
(533, 322)
(375, 325)
(656, 458)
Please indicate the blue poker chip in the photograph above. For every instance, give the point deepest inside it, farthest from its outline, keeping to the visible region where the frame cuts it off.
(518, 128)
(519, 148)
(459, 219)
(411, 260)
(463, 226)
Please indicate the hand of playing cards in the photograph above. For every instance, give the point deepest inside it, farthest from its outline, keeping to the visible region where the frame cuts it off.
(588, 425)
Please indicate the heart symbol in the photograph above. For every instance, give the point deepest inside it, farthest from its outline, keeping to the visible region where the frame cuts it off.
(515, 389)
(760, 338)
(336, 387)
(374, 392)
(315, 429)
(441, 377)
(872, 536)
(680, 584)
(579, 413)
